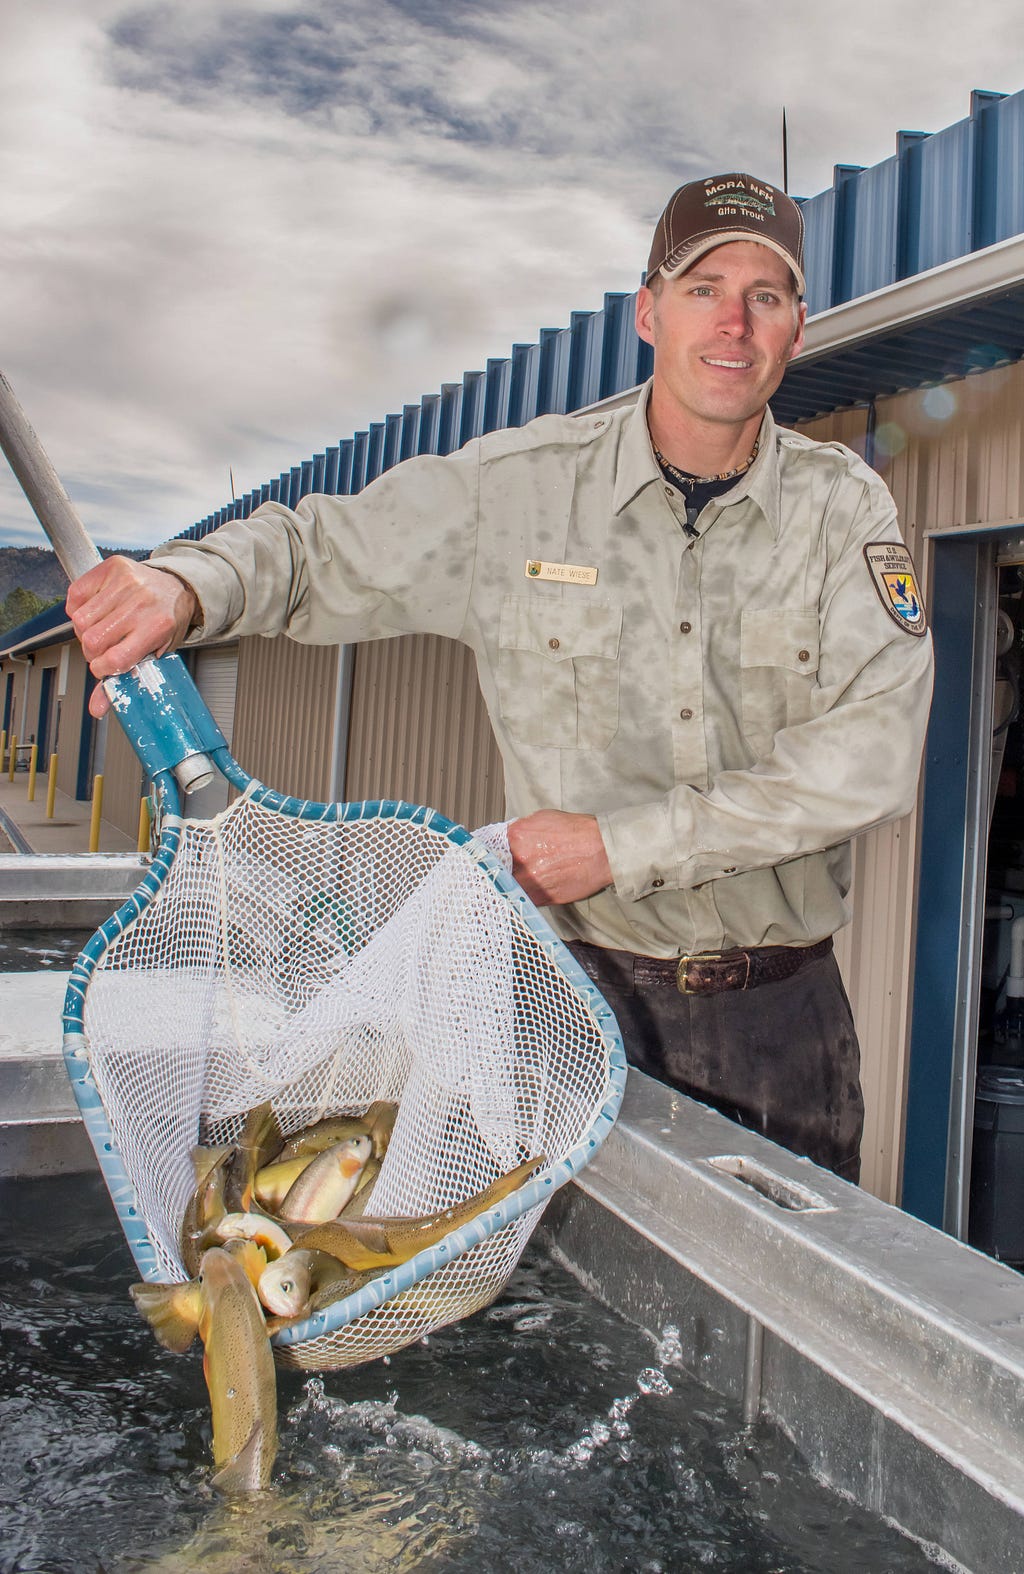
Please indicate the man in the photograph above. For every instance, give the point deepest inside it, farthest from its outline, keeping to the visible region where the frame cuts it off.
(700, 648)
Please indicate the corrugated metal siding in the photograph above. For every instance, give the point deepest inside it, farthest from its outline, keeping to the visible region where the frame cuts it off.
(939, 197)
(966, 469)
(875, 951)
(959, 464)
(284, 714)
(215, 673)
(419, 730)
(122, 782)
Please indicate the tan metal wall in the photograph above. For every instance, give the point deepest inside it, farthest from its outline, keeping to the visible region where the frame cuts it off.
(875, 950)
(71, 707)
(284, 714)
(952, 457)
(22, 687)
(419, 730)
(122, 781)
(965, 469)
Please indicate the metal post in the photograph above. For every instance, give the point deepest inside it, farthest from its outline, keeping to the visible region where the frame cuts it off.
(752, 1370)
(143, 842)
(51, 787)
(33, 762)
(97, 814)
(3, 746)
(14, 756)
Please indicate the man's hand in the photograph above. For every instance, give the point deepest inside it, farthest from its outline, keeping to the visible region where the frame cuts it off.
(123, 611)
(558, 857)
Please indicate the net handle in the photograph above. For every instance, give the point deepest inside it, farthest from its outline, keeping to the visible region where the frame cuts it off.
(157, 739)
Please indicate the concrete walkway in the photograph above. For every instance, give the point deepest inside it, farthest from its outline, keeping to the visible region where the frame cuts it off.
(25, 828)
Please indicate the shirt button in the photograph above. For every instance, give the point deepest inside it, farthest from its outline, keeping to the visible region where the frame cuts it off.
(687, 715)
(598, 425)
(803, 655)
(730, 871)
(657, 884)
(552, 644)
(684, 628)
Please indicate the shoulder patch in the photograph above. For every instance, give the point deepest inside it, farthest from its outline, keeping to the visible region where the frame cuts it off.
(892, 574)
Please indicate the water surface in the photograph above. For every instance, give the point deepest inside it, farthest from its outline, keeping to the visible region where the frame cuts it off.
(28, 950)
(544, 1434)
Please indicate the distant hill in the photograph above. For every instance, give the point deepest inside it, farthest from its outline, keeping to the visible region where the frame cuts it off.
(37, 569)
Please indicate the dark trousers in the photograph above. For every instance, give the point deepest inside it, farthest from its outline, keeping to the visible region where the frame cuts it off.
(781, 1059)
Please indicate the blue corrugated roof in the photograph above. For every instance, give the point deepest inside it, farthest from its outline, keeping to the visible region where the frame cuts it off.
(938, 197)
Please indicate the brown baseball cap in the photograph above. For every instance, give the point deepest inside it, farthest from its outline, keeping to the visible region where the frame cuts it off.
(707, 213)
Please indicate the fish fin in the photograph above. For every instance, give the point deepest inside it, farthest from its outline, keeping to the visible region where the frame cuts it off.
(351, 1242)
(248, 1470)
(380, 1123)
(171, 1310)
(260, 1141)
(250, 1254)
(262, 1134)
(206, 1160)
(370, 1235)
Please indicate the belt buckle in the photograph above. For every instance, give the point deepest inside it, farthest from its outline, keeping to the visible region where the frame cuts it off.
(683, 966)
(682, 970)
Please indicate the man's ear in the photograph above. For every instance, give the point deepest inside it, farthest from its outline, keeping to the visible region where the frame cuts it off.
(645, 313)
(798, 341)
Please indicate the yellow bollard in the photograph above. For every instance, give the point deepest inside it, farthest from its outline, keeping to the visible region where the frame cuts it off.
(97, 814)
(33, 763)
(51, 788)
(3, 746)
(143, 845)
(14, 757)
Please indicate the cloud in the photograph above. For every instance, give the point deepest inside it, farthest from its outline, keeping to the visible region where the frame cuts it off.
(230, 235)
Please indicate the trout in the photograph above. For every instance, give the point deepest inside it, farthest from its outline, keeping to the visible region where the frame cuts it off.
(378, 1122)
(222, 1306)
(328, 1183)
(368, 1243)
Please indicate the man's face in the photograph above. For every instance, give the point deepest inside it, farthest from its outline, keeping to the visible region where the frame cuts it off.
(723, 332)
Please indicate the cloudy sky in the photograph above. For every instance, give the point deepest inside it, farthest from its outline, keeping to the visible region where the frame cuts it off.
(233, 233)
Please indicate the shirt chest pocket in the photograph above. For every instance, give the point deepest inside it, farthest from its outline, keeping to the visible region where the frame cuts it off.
(558, 671)
(778, 670)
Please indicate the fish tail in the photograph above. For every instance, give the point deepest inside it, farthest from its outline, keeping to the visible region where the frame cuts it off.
(171, 1310)
(249, 1469)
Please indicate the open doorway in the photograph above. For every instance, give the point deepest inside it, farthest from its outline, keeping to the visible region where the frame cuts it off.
(996, 1211)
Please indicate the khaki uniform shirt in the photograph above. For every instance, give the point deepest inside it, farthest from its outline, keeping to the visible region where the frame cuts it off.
(733, 709)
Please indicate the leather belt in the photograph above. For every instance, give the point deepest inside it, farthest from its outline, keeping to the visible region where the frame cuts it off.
(707, 973)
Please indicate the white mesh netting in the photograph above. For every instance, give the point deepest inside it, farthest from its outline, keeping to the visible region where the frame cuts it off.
(323, 965)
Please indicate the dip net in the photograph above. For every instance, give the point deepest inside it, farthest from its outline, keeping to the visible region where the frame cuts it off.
(323, 957)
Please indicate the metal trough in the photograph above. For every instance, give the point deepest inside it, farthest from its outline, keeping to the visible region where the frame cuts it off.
(891, 1354)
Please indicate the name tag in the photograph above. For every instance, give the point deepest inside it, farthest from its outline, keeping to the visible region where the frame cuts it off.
(565, 573)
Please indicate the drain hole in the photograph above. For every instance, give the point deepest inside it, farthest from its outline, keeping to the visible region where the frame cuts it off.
(773, 1188)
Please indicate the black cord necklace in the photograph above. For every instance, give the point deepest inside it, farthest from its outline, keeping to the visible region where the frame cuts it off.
(684, 478)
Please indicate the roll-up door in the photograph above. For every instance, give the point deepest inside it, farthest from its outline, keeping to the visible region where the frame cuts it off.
(216, 675)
